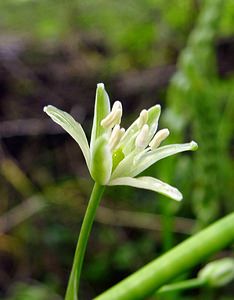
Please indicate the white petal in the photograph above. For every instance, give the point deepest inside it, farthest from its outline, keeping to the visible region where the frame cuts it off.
(135, 163)
(149, 158)
(67, 122)
(149, 183)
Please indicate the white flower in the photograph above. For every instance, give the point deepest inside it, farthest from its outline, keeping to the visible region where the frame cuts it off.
(116, 156)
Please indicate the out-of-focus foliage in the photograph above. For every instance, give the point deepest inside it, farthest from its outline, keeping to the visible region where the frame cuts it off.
(200, 99)
(133, 34)
(23, 291)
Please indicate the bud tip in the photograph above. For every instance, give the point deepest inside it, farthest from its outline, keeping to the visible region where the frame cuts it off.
(194, 146)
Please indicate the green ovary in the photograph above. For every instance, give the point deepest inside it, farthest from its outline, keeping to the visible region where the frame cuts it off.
(117, 156)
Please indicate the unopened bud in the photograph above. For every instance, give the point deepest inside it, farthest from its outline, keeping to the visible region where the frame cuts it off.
(218, 273)
(159, 137)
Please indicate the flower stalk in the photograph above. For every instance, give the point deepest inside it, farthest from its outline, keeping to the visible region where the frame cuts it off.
(73, 284)
(181, 286)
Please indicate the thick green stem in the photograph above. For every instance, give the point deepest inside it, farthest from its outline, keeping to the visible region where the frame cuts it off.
(73, 284)
(194, 250)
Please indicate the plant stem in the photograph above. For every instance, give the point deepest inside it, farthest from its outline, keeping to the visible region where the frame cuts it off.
(73, 284)
(186, 255)
(182, 285)
(167, 225)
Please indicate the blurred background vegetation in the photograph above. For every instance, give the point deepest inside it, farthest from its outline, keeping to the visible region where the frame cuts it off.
(176, 53)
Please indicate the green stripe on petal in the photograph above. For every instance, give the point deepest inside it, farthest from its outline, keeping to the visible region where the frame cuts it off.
(128, 141)
(68, 123)
(101, 110)
(149, 158)
(101, 161)
(153, 117)
(149, 183)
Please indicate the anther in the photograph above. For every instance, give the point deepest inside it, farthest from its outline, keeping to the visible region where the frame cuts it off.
(159, 137)
(142, 119)
(115, 137)
(117, 105)
(114, 117)
(142, 138)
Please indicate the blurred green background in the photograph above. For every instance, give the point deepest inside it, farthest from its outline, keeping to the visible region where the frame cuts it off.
(176, 53)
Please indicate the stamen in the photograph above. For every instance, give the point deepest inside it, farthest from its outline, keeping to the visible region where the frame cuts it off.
(122, 130)
(115, 137)
(142, 138)
(114, 117)
(159, 137)
(117, 105)
(142, 119)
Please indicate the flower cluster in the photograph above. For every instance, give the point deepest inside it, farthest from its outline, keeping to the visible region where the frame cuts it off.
(116, 156)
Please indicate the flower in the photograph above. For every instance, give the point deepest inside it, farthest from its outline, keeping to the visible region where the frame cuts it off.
(116, 156)
(218, 273)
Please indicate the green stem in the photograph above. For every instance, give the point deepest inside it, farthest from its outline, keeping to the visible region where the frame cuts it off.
(73, 284)
(186, 255)
(183, 285)
(167, 226)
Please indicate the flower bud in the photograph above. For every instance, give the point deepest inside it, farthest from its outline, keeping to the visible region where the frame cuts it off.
(218, 273)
